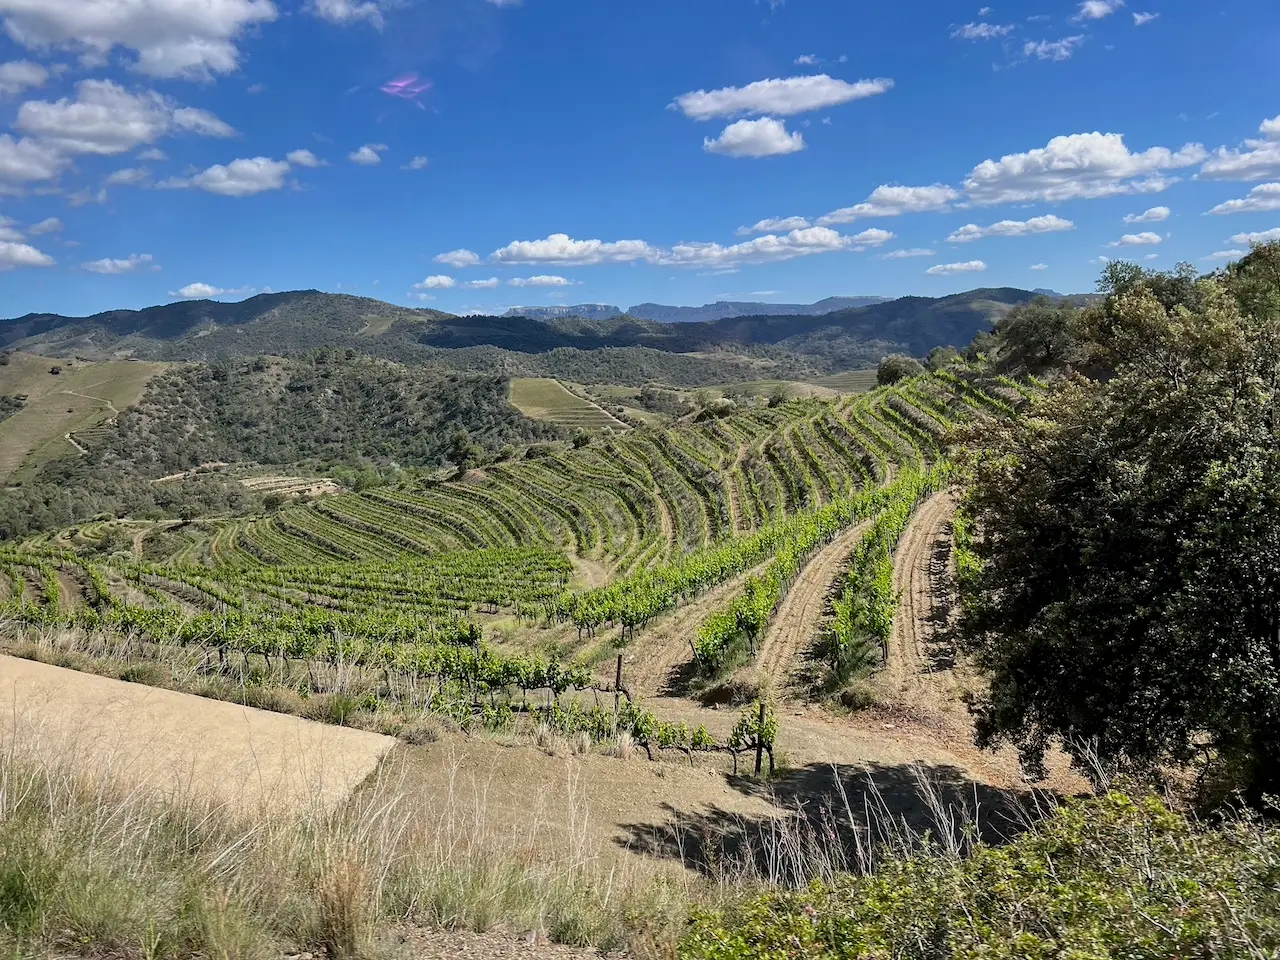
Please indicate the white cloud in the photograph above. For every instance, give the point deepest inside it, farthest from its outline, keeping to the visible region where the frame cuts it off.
(490, 284)
(19, 75)
(808, 60)
(773, 225)
(304, 158)
(110, 266)
(154, 155)
(1265, 236)
(9, 230)
(368, 154)
(1056, 50)
(559, 248)
(172, 38)
(1039, 266)
(86, 196)
(1142, 19)
(1258, 161)
(765, 137)
(26, 161)
(1144, 239)
(107, 119)
(1226, 255)
(981, 31)
(1011, 228)
(540, 281)
(1079, 166)
(458, 258)
(908, 253)
(1262, 199)
(22, 255)
(437, 282)
(1097, 9)
(198, 291)
(346, 11)
(417, 163)
(891, 201)
(777, 96)
(771, 248)
(128, 177)
(239, 178)
(47, 225)
(949, 269)
(1154, 215)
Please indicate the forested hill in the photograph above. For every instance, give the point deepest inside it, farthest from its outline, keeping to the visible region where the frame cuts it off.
(291, 323)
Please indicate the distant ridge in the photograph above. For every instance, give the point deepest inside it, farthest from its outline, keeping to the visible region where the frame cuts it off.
(727, 309)
(587, 311)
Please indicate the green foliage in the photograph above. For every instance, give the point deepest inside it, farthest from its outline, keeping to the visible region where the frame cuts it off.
(1107, 879)
(1039, 335)
(897, 367)
(1128, 595)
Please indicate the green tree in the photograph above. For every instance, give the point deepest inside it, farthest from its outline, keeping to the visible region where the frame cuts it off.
(1128, 600)
(1039, 334)
(942, 357)
(895, 367)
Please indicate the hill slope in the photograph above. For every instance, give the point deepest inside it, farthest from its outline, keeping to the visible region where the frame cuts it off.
(289, 323)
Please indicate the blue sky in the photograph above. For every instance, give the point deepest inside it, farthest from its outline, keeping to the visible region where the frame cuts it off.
(565, 151)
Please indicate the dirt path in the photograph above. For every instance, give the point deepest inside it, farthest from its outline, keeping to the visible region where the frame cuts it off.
(590, 573)
(84, 396)
(71, 440)
(921, 575)
(799, 616)
(662, 648)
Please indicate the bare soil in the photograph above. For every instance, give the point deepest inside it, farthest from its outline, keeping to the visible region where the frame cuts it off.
(182, 746)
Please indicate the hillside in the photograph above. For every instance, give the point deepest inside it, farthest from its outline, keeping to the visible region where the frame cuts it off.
(290, 323)
(720, 310)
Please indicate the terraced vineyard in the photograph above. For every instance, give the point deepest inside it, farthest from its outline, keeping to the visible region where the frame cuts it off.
(456, 595)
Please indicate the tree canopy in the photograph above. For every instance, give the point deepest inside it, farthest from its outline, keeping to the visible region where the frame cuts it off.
(1129, 594)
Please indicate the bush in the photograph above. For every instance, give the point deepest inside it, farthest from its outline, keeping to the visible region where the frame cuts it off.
(1106, 878)
(897, 367)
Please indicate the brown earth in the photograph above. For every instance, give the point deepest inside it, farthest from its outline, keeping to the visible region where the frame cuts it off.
(182, 746)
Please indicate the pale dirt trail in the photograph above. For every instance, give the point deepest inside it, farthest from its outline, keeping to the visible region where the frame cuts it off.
(799, 618)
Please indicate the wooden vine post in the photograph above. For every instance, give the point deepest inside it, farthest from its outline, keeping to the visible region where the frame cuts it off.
(760, 739)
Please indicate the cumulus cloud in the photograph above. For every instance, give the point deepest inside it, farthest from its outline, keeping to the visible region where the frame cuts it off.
(106, 119)
(47, 225)
(1039, 266)
(437, 282)
(239, 178)
(540, 281)
(1097, 9)
(773, 225)
(777, 96)
(949, 269)
(1011, 228)
(9, 230)
(808, 60)
(1261, 199)
(26, 161)
(304, 158)
(765, 137)
(19, 75)
(14, 254)
(981, 31)
(417, 163)
(458, 258)
(128, 177)
(198, 291)
(171, 38)
(1264, 236)
(1142, 19)
(559, 248)
(771, 248)
(1055, 50)
(891, 201)
(1154, 215)
(1258, 160)
(1079, 166)
(1144, 239)
(343, 12)
(908, 253)
(1226, 255)
(490, 284)
(111, 266)
(368, 155)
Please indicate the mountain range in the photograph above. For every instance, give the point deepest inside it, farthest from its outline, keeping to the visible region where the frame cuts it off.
(720, 310)
(751, 345)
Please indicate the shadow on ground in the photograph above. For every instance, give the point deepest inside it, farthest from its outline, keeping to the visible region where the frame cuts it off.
(838, 819)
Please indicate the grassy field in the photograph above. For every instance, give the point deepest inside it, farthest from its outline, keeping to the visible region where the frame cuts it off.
(545, 399)
(78, 398)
